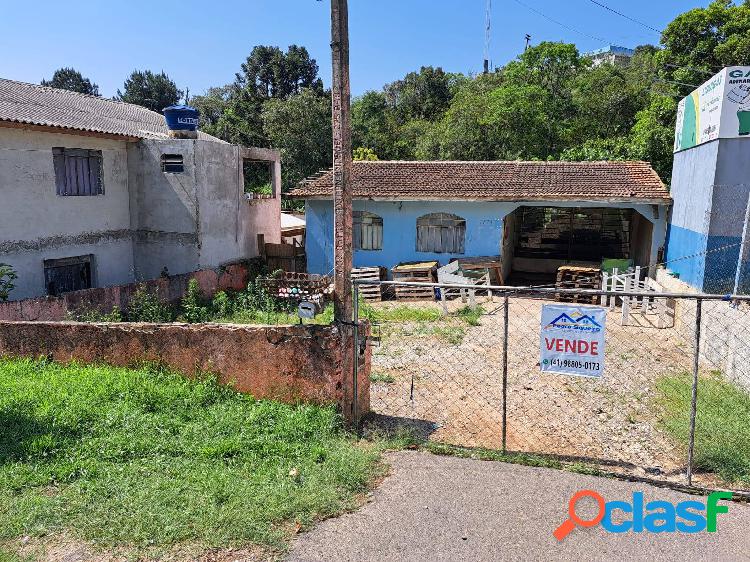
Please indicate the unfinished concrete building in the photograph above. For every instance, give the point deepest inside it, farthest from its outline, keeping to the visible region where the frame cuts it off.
(96, 193)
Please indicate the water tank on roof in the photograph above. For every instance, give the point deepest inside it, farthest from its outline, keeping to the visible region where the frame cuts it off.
(181, 117)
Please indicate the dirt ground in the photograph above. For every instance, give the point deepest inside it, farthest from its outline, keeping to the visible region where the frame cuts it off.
(450, 389)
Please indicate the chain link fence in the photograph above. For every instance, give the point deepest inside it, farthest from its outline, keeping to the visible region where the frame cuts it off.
(673, 402)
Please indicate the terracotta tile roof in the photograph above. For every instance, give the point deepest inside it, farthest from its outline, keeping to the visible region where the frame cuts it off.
(495, 181)
(51, 107)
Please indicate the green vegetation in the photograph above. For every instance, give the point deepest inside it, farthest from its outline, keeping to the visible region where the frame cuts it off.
(382, 377)
(146, 457)
(7, 276)
(147, 306)
(722, 433)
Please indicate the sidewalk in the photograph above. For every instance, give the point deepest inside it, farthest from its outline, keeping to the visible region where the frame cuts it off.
(445, 508)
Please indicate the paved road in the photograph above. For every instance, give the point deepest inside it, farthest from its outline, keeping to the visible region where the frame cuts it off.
(445, 508)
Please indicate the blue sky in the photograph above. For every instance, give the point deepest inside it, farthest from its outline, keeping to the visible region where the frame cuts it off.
(201, 44)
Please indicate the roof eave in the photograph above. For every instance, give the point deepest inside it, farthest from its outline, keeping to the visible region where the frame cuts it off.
(10, 124)
(632, 200)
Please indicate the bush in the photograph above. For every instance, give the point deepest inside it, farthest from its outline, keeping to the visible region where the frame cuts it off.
(222, 305)
(193, 310)
(148, 307)
(96, 315)
(7, 276)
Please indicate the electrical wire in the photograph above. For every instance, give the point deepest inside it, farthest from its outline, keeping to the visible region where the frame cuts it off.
(566, 26)
(659, 31)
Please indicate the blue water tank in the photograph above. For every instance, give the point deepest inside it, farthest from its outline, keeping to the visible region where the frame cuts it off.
(181, 117)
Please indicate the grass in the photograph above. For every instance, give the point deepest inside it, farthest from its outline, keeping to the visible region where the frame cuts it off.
(722, 435)
(144, 457)
(382, 377)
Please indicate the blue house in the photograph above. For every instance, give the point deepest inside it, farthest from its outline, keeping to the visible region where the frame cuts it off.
(534, 216)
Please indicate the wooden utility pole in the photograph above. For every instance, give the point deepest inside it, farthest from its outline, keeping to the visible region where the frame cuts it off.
(342, 162)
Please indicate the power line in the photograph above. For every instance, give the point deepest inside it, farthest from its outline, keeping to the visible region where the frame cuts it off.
(659, 31)
(566, 26)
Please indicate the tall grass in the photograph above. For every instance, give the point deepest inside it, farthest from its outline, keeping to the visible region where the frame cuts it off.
(722, 429)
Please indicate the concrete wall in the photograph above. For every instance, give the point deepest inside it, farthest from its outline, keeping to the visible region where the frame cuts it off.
(164, 209)
(287, 363)
(710, 186)
(104, 299)
(146, 220)
(725, 345)
(484, 229)
(37, 224)
(199, 218)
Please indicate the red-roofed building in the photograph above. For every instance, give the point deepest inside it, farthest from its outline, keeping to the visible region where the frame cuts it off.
(535, 215)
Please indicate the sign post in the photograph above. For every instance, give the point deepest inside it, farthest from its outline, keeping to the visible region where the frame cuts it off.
(572, 340)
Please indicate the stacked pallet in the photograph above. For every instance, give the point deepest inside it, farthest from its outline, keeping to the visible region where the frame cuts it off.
(574, 277)
(369, 292)
(422, 272)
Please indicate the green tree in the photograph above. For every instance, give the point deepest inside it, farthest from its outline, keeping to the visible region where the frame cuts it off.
(300, 126)
(419, 95)
(212, 105)
(268, 72)
(150, 90)
(71, 79)
(700, 42)
(374, 125)
(552, 67)
(652, 137)
(362, 153)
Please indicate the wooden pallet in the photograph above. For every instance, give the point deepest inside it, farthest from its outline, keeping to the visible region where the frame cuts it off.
(369, 292)
(573, 277)
(420, 272)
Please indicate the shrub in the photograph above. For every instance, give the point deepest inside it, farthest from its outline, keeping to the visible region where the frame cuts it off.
(148, 307)
(193, 310)
(7, 276)
(222, 305)
(96, 315)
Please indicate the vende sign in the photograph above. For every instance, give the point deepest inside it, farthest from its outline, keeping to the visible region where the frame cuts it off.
(572, 340)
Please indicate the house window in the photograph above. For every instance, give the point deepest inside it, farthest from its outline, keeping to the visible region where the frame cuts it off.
(368, 231)
(441, 233)
(172, 163)
(78, 171)
(67, 274)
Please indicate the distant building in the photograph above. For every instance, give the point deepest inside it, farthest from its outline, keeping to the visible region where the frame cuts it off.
(619, 56)
(96, 193)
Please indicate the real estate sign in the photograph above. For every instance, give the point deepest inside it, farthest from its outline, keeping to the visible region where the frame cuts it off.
(572, 340)
(720, 108)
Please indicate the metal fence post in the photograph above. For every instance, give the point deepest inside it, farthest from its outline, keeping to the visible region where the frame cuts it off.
(355, 331)
(505, 369)
(694, 397)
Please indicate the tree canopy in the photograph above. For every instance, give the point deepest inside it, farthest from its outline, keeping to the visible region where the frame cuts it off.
(549, 103)
(71, 79)
(150, 90)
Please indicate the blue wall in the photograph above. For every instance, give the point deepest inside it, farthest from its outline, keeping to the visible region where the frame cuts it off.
(710, 190)
(484, 229)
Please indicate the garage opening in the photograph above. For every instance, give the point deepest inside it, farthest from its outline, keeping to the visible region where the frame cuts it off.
(538, 240)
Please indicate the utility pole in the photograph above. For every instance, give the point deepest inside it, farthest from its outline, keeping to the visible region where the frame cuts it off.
(528, 40)
(342, 162)
(343, 308)
(487, 35)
